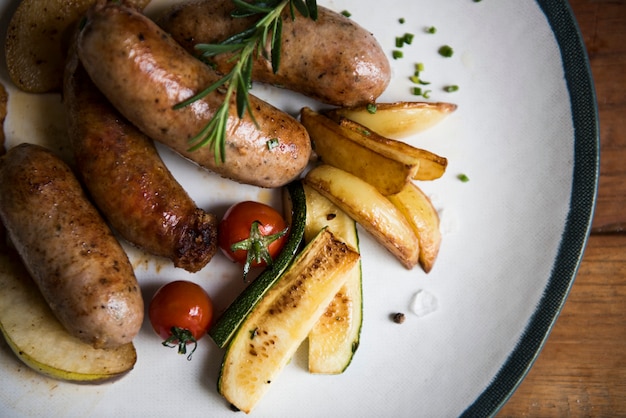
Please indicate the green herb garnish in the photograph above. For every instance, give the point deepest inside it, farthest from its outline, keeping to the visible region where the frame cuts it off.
(346, 13)
(451, 88)
(463, 178)
(246, 46)
(446, 51)
(371, 108)
(431, 30)
(397, 54)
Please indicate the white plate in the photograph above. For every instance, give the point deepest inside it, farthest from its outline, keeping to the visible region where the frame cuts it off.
(526, 135)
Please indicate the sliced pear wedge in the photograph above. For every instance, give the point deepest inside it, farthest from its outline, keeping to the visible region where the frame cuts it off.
(40, 341)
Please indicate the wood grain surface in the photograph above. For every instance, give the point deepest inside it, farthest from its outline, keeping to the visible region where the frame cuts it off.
(581, 371)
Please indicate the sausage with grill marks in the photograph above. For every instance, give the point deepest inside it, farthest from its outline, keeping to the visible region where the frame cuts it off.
(74, 258)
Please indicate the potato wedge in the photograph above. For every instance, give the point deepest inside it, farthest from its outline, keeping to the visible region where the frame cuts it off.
(40, 341)
(399, 119)
(366, 205)
(37, 39)
(342, 148)
(431, 165)
(423, 217)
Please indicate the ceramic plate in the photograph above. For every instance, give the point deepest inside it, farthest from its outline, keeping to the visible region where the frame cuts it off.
(525, 134)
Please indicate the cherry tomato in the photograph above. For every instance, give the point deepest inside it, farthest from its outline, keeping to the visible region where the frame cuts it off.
(181, 313)
(252, 233)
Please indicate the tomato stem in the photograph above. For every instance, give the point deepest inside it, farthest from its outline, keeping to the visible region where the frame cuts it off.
(180, 337)
(256, 246)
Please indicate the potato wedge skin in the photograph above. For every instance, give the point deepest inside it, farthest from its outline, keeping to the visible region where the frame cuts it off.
(400, 119)
(344, 149)
(37, 38)
(424, 219)
(40, 341)
(431, 165)
(369, 208)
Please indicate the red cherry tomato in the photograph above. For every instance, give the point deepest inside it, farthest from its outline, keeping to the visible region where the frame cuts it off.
(181, 313)
(252, 233)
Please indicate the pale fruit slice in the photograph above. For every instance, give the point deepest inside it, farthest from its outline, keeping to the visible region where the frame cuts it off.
(335, 337)
(424, 219)
(40, 341)
(397, 120)
(279, 323)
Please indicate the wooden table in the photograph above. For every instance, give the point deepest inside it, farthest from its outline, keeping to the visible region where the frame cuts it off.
(581, 371)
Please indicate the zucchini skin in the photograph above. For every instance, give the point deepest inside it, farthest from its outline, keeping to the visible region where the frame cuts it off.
(228, 323)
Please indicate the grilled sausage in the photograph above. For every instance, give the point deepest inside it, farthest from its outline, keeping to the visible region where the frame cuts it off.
(128, 181)
(72, 255)
(331, 59)
(144, 73)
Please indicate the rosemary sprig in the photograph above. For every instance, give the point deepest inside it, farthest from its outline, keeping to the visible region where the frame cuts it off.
(245, 47)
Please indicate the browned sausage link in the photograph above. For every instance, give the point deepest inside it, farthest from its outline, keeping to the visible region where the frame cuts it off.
(79, 266)
(145, 73)
(332, 59)
(129, 182)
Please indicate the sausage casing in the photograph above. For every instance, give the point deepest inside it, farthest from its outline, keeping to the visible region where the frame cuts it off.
(79, 266)
(331, 59)
(129, 182)
(144, 73)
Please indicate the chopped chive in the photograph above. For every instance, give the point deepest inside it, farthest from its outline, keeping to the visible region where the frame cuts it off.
(446, 51)
(397, 54)
(399, 42)
(419, 67)
(451, 88)
(408, 38)
(463, 178)
(416, 91)
(272, 143)
(371, 108)
(415, 79)
(346, 13)
(401, 20)
(431, 30)
(426, 94)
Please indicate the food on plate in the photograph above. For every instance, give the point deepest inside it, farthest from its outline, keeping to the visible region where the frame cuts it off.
(397, 120)
(335, 337)
(349, 151)
(295, 213)
(418, 209)
(145, 74)
(252, 234)
(129, 182)
(40, 341)
(275, 328)
(331, 59)
(36, 41)
(74, 258)
(431, 165)
(181, 313)
(367, 206)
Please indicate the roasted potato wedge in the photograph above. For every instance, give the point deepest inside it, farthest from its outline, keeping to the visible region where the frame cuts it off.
(424, 219)
(399, 119)
(40, 341)
(431, 165)
(366, 205)
(37, 39)
(341, 148)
